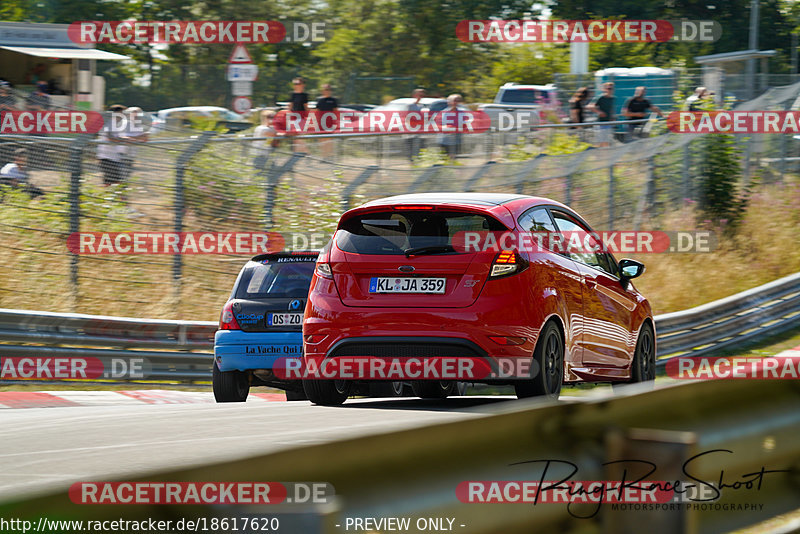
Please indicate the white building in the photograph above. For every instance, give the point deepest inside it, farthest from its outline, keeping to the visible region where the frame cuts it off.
(32, 52)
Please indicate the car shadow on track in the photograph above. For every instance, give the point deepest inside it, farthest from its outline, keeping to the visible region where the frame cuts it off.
(468, 403)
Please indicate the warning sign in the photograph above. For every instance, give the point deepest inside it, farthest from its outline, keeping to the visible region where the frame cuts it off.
(240, 55)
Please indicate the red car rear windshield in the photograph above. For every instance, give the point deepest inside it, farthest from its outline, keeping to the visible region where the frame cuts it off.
(394, 232)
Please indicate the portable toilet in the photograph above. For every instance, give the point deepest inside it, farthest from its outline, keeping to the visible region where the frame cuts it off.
(660, 84)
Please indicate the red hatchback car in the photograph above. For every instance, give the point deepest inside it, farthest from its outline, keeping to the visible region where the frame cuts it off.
(397, 281)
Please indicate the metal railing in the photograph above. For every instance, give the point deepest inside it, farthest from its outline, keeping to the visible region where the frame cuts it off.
(181, 350)
(716, 430)
(225, 183)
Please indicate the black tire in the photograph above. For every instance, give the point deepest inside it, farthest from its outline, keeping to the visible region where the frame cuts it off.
(548, 356)
(385, 388)
(296, 395)
(436, 389)
(643, 366)
(230, 386)
(327, 392)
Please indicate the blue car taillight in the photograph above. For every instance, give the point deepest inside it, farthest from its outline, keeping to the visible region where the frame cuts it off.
(227, 321)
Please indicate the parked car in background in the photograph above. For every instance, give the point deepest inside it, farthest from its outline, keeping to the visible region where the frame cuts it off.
(518, 107)
(433, 105)
(175, 119)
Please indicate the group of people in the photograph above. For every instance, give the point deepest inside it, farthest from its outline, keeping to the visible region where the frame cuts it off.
(635, 109)
(273, 123)
(37, 100)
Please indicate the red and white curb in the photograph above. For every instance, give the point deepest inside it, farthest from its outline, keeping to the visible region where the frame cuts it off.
(791, 353)
(51, 399)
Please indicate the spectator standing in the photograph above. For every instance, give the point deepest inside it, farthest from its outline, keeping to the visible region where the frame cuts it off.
(603, 105)
(638, 107)
(15, 174)
(298, 103)
(327, 102)
(451, 143)
(577, 104)
(267, 131)
(108, 150)
(8, 102)
(414, 142)
(327, 117)
(38, 100)
(134, 134)
(695, 101)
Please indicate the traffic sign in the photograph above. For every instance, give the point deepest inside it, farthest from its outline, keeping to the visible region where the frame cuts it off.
(244, 72)
(240, 55)
(241, 104)
(241, 88)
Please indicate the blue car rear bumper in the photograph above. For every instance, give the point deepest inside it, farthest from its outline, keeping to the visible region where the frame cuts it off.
(238, 350)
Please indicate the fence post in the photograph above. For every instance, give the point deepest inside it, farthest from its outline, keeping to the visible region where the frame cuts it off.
(359, 180)
(527, 170)
(650, 185)
(686, 164)
(427, 175)
(782, 165)
(611, 187)
(180, 202)
(568, 189)
(273, 177)
(648, 198)
(747, 149)
(482, 170)
(76, 149)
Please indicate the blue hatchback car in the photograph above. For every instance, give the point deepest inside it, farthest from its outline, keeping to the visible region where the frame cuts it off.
(261, 323)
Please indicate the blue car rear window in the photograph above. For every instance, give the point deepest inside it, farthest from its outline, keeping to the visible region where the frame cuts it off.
(284, 280)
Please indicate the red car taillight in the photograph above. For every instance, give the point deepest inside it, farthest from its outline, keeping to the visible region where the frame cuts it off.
(227, 321)
(323, 268)
(506, 263)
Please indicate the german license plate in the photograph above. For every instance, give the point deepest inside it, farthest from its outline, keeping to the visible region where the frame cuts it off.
(284, 319)
(400, 284)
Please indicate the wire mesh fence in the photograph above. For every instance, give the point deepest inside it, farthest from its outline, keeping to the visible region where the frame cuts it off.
(221, 183)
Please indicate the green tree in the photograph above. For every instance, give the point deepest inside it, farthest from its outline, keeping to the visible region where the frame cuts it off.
(732, 15)
(410, 37)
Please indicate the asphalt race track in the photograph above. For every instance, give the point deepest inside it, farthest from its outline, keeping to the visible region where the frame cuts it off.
(47, 448)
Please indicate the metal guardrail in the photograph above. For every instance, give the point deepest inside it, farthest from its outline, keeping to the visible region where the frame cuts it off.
(181, 350)
(414, 473)
(176, 350)
(758, 312)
